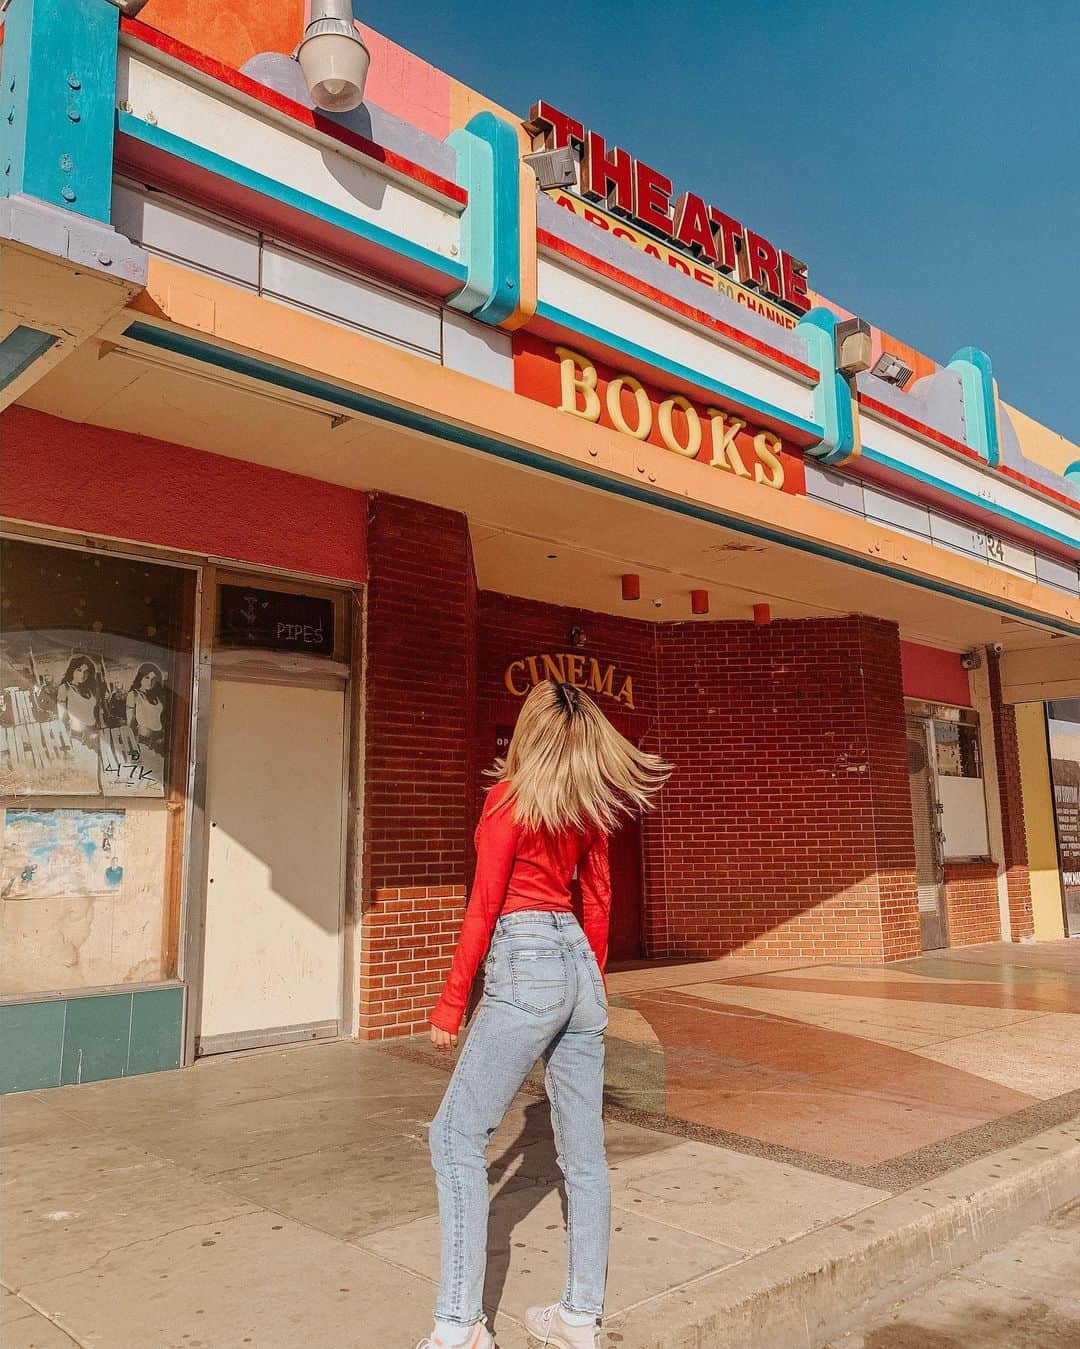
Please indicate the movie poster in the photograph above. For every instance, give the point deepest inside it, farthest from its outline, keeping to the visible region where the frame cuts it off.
(83, 714)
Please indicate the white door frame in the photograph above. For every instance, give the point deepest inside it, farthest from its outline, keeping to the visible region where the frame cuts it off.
(193, 943)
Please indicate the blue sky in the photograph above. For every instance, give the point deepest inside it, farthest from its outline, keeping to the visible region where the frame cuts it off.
(926, 167)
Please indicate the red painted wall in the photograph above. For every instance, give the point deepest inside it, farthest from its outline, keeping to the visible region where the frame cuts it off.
(934, 675)
(74, 476)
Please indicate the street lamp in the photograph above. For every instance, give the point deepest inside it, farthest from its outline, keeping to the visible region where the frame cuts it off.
(333, 56)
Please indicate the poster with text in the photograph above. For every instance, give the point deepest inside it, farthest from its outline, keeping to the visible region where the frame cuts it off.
(83, 714)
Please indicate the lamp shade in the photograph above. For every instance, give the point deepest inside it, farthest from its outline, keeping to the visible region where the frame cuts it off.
(335, 64)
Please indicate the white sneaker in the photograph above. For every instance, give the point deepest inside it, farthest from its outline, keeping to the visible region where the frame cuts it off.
(547, 1325)
(482, 1338)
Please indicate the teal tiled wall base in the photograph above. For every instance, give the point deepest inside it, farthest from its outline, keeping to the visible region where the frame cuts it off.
(68, 1040)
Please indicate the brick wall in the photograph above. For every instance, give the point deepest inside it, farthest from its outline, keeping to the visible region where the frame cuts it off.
(971, 903)
(786, 829)
(418, 728)
(1011, 795)
(511, 628)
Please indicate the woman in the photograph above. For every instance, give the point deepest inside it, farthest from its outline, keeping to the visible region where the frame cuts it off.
(146, 708)
(567, 778)
(78, 702)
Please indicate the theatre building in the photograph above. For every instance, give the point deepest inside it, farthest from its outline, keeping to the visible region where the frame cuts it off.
(326, 436)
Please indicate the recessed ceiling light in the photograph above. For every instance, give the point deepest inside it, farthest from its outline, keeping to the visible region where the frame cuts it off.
(552, 556)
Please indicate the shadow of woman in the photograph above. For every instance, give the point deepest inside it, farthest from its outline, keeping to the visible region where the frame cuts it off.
(525, 1173)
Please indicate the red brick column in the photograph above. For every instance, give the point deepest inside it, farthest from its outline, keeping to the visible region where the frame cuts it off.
(1011, 795)
(786, 828)
(419, 690)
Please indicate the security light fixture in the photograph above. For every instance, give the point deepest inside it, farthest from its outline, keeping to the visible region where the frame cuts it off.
(553, 168)
(892, 370)
(129, 8)
(333, 56)
(854, 346)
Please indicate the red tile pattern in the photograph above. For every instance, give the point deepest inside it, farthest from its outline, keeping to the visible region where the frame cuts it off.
(814, 1091)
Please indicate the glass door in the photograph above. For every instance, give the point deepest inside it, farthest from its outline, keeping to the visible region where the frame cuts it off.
(1063, 726)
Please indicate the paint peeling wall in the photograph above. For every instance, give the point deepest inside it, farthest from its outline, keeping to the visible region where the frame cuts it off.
(94, 940)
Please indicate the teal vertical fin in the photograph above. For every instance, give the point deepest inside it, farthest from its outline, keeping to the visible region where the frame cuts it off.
(57, 101)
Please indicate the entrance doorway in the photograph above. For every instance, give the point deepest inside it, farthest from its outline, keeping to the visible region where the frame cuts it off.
(624, 854)
(274, 930)
(929, 837)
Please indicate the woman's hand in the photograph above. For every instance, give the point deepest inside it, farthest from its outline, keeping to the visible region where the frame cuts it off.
(443, 1039)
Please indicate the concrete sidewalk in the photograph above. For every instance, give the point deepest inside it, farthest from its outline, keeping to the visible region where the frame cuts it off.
(286, 1196)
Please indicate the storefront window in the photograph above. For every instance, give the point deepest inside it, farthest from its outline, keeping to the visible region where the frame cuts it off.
(94, 709)
(1063, 723)
(957, 745)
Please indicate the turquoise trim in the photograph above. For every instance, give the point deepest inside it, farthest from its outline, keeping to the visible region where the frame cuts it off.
(63, 1041)
(208, 160)
(724, 392)
(980, 403)
(832, 393)
(886, 461)
(489, 167)
(193, 348)
(1072, 479)
(20, 349)
(56, 113)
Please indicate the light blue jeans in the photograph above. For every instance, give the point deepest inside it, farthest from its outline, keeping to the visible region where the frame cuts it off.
(543, 997)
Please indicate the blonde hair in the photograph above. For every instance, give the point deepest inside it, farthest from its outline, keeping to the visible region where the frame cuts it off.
(568, 767)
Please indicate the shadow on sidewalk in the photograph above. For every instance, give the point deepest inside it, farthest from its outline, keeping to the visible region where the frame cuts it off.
(521, 1177)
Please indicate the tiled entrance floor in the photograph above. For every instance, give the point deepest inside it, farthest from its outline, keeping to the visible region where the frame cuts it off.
(878, 1074)
(286, 1196)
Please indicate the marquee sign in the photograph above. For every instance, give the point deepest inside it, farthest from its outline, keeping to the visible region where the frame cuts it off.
(628, 188)
(583, 387)
(569, 667)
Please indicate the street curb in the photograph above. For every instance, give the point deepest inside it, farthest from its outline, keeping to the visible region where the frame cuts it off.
(798, 1295)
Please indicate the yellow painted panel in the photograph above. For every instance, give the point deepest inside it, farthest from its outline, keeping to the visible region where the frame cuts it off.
(1039, 822)
(1041, 444)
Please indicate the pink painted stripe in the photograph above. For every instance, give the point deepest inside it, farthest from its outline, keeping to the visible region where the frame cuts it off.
(920, 428)
(314, 121)
(155, 167)
(1038, 486)
(958, 447)
(553, 243)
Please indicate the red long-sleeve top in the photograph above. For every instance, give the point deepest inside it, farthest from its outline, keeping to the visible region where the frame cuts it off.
(518, 869)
